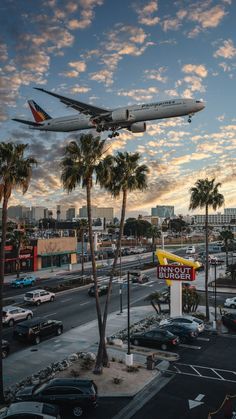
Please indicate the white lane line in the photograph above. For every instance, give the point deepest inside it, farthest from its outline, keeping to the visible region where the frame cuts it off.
(204, 339)
(83, 304)
(183, 345)
(220, 376)
(66, 299)
(49, 315)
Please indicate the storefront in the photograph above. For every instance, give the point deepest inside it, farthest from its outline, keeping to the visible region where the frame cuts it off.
(56, 252)
(27, 259)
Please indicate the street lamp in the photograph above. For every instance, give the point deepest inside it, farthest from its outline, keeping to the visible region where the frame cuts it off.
(121, 286)
(215, 292)
(129, 356)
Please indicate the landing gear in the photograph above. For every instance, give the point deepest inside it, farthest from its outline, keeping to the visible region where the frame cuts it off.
(114, 134)
(189, 120)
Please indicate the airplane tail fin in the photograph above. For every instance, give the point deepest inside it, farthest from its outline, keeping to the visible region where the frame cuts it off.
(38, 113)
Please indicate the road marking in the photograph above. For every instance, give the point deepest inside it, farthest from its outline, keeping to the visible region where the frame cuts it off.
(196, 402)
(183, 345)
(66, 299)
(206, 372)
(203, 339)
(83, 304)
(49, 315)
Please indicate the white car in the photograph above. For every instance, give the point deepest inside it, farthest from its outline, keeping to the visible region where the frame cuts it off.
(13, 314)
(230, 302)
(190, 250)
(39, 296)
(30, 410)
(199, 324)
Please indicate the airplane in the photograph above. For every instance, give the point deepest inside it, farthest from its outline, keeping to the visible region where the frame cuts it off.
(132, 118)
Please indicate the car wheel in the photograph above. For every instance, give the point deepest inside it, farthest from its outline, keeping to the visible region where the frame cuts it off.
(29, 317)
(77, 411)
(21, 285)
(52, 299)
(4, 354)
(59, 331)
(164, 346)
(136, 342)
(37, 340)
(232, 306)
(11, 322)
(38, 303)
(32, 283)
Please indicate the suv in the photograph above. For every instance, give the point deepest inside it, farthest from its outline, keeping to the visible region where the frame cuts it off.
(230, 302)
(138, 277)
(29, 280)
(39, 296)
(30, 410)
(69, 393)
(13, 314)
(102, 290)
(190, 250)
(33, 331)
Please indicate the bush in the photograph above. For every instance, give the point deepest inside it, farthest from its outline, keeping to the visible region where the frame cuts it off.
(132, 368)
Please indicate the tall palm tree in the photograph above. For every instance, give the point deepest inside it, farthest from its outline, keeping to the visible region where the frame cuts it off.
(15, 172)
(83, 227)
(205, 194)
(79, 166)
(227, 236)
(154, 233)
(118, 175)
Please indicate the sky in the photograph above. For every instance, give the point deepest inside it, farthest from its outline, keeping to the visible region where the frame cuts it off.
(113, 53)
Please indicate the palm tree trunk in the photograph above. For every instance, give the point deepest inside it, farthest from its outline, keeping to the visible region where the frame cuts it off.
(2, 266)
(207, 265)
(82, 251)
(102, 346)
(227, 254)
(98, 365)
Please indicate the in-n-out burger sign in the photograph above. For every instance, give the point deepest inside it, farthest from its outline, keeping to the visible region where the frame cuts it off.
(176, 272)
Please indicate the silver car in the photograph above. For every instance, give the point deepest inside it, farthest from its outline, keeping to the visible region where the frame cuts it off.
(194, 321)
(29, 410)
(13, 314)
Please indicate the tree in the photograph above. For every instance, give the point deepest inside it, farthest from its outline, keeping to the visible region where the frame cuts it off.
(154, 233)
(19, 240)
(15, 172)
(83, 227)
(79, 165)
(118, 175)
(205, 194)
(227, 237)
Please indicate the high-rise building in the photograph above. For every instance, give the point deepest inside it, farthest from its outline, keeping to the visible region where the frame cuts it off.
(70, 213)
(163, 211)
(37, 213)
(102, 212)
(230, 211)
(61, 212)
(19, 212)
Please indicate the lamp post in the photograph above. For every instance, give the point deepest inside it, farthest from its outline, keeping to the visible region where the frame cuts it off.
(129, 356)
(215, 292)
(121, 287)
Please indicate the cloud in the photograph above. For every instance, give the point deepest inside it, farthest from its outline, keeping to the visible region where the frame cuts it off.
(200, 70)
(227, 50)
(156, 74)
(145, 13)
(209, 18)
(139, 94)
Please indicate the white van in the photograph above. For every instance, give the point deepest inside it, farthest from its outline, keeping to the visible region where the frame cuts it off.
(39, 296)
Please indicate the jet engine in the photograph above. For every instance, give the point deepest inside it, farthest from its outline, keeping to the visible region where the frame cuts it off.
(120, 115)
(138, 127)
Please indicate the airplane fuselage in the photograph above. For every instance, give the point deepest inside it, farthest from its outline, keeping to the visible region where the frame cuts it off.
(134, 113)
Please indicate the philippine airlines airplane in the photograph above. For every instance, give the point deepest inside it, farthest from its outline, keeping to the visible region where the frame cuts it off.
(132, 118)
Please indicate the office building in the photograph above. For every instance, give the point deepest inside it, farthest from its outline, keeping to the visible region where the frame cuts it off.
(163, 211)
(37, 213)
(70, 213)
(18, 212)
(61, 212)
(102, 212)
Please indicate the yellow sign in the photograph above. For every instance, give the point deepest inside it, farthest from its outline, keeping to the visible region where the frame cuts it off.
(164, 257)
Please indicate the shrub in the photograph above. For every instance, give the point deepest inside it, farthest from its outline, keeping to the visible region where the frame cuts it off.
(117, 380)
(132, 368)
(74, 373)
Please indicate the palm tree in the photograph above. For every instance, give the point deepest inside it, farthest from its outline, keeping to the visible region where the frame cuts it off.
(83, 226)
(118, 175)
(227, 237)
(205, 194)
(19, 240)
(15, 172)
(155, 233)
(78, 166)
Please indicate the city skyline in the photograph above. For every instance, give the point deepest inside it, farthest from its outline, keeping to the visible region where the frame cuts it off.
(113, 54)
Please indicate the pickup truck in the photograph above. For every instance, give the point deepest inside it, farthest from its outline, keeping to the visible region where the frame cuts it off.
(29, 280)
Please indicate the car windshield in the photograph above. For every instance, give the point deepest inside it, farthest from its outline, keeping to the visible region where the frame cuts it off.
(29, 295)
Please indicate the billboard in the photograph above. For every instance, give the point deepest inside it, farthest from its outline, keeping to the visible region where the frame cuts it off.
(176, 272)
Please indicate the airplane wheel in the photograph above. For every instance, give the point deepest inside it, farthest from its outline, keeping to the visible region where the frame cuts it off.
(189, 120)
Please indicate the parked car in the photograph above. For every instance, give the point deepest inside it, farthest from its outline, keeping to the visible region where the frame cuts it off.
(194, 321)
(73, 394)
(229, 320)
(28, 280)
(13, 314)
(155, 338)
(102, 290)
(213, 260)
(37, 329)
(5, 348)
(185, 332)
(39, 296)
(137, 277)
(190, 250)
(230, 302)
(30, 410)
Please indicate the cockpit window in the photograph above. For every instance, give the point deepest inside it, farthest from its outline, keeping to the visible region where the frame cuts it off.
(198, 101)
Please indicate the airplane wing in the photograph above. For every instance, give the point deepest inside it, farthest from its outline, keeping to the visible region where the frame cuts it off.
(84, 108)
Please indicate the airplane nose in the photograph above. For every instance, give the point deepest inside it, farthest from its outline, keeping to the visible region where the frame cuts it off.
(203, 105)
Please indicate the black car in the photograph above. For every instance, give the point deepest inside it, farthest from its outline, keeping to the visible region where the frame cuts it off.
(102, 290)
(155, 338)
(73, 394)
(37, 329)
(229, 320)
(5, 348)
(185, 332)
